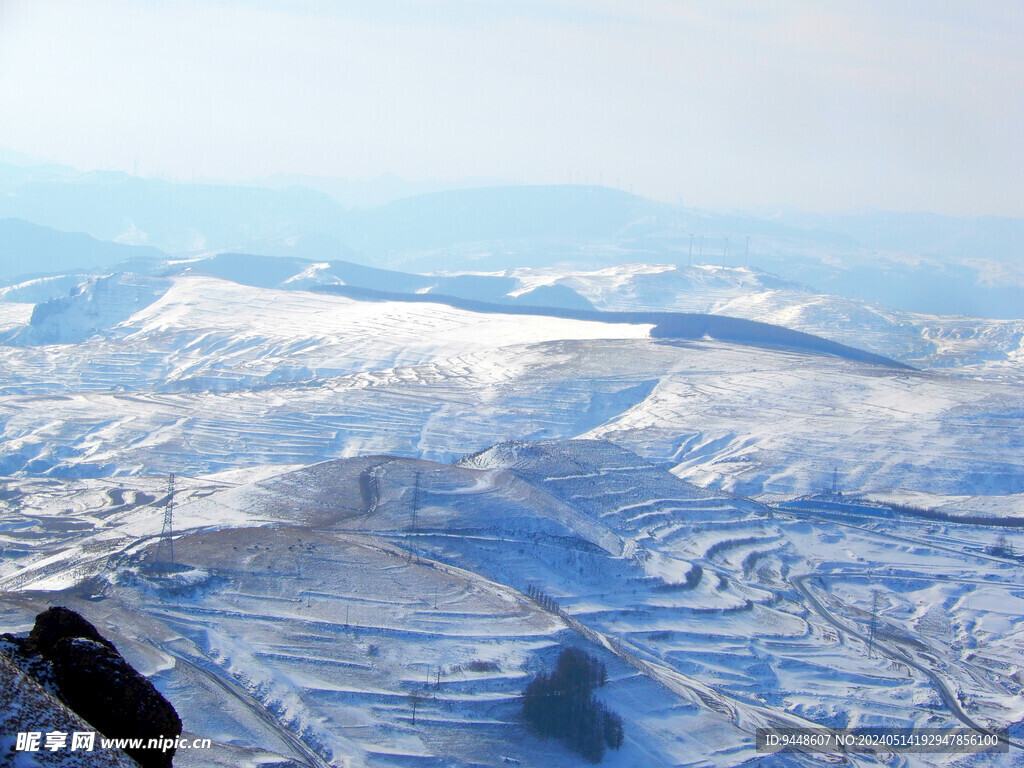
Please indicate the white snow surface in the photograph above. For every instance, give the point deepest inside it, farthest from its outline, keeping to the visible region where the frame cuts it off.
(746, 420)
(963, 346)
(368, 491)
(206, 334)
(358, 586)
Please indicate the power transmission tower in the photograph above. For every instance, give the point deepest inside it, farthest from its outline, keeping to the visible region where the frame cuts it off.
(689, 256)
(415, 500)
(165, 549)
(875, 599)
(835, 480)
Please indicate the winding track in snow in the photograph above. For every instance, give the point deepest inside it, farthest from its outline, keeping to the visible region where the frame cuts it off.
(302, 751)
(948, 697)
(930, 544)
(799, 582)
(744, 715)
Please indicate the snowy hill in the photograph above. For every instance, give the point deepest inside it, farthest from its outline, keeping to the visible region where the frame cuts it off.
(963, 346)
(213, 375)
(966, 346)
(392, 509)
(380, 611)
(293, 273)
(92, 307)
(202, 333)
(970, 346)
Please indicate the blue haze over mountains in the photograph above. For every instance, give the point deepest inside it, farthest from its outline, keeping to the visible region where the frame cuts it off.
(56, 219)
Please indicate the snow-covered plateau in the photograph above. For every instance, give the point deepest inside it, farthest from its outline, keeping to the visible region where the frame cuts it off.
(388, 515)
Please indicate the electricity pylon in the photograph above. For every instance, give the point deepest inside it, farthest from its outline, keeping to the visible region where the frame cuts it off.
(165, 549)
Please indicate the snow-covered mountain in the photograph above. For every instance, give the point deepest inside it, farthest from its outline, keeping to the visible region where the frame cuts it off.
(959, 345)
(914, 262)
(29, 250)
(212, 375)
(380, 611)
(394, 506)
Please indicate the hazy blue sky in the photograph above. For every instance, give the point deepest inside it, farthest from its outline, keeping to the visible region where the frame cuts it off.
(818, 104)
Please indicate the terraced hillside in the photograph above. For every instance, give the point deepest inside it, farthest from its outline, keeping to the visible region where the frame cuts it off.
(390, 515)
(213, 375)
(387, 611)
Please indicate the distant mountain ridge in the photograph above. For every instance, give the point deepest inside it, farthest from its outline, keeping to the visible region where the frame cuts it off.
(31, 250)
(922, 263)
(106, 204)
(74, 304)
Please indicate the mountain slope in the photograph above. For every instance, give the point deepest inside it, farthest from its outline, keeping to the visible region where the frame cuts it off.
(29, 249)
(381, 611)
(914, 262)
(969, 346)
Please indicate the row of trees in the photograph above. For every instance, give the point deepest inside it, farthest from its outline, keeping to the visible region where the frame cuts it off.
(562, 705)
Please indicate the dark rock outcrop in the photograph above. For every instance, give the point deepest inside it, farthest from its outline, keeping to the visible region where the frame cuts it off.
(55, 624)
(66, 654)
(97, 682)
